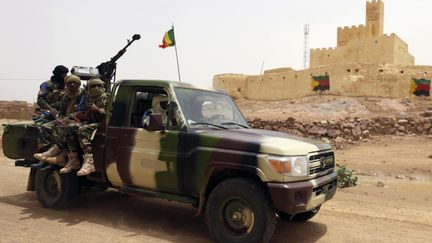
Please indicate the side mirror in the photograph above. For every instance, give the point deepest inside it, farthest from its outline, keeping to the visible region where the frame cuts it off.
(155, 122)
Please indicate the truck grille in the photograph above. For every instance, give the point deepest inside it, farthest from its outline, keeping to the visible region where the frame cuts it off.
(321, 164)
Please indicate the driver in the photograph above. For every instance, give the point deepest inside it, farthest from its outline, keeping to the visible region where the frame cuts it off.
(159, 106)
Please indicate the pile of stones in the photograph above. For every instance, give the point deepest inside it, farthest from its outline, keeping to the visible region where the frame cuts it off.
(349, 130)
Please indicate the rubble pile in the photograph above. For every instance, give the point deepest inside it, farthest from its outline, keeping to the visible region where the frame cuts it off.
(349, 130)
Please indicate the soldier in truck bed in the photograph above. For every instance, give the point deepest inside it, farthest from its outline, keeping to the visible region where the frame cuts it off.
(55, 130)
(81, 134)
(52, 90)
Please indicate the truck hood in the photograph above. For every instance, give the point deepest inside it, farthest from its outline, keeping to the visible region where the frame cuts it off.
(263, 141)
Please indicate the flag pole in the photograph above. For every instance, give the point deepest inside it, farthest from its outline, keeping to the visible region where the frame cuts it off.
(175, 47)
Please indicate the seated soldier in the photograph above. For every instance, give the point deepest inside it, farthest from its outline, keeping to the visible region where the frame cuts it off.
(159, 106)
(54, 132)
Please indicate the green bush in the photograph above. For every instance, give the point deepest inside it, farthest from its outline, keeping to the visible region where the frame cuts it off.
(346, 177)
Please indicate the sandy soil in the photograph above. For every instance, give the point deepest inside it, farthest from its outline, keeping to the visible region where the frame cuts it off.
(400, 211)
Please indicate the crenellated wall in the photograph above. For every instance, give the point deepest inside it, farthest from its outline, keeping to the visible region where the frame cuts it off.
(364, 43)
(372, 50)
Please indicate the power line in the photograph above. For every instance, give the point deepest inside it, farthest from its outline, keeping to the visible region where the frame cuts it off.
(21, 78)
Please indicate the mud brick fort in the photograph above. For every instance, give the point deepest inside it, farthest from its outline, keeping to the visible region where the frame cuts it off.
(365, 62)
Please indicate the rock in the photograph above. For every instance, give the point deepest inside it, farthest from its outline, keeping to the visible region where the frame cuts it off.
(427, 126)
(380, 184)
(400, 177)
(348, 125)
(291, 120)
(333, 133)
(402, 129)
(366, 133)
(357, 132)
(268, 127)
(403, 122)
(413, 178)
(319, 131)
(427, 113)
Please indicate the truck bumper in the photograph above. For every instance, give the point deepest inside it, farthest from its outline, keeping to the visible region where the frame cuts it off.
(297, 197)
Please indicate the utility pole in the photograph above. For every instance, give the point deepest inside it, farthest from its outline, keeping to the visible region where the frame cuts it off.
(306, 46)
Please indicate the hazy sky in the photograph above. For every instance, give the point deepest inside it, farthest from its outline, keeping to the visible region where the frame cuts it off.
(213, 37)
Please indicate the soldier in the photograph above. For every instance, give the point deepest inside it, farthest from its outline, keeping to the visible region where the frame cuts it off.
(52, 90)
(84, 131)
(54, 132)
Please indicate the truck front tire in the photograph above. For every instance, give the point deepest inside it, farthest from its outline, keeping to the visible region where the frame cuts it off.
(240, 210)
(55, 190)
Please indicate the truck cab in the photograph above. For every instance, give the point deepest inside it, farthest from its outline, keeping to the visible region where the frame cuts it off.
(189, 144)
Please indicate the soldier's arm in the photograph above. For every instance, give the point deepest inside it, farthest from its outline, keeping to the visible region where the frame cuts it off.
(44, 90)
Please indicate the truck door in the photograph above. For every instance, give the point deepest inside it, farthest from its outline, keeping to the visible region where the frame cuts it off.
(135, 156)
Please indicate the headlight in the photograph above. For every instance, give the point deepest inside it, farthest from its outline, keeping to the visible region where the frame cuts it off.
(289, 166)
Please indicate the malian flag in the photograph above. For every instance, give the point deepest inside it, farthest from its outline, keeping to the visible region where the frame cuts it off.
(420, 87)
(168, 39)
(320, 82)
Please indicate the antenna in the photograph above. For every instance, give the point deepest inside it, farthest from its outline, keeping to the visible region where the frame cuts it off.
(306, 46)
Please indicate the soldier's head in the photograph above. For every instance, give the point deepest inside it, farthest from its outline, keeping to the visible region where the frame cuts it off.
(60, 71)
(159, 103)
(95, 87)
(72, 83)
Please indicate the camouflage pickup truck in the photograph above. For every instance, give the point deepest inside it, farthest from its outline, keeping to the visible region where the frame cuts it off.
(200, 150)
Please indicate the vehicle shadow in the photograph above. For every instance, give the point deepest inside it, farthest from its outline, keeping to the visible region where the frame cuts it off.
(156, 218)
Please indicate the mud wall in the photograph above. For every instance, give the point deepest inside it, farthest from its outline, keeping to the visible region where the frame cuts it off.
(349, 80)
(16, 110)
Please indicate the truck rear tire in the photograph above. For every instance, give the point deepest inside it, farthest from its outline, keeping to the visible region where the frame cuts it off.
(240, 210)
(55, 190)
(300, 217)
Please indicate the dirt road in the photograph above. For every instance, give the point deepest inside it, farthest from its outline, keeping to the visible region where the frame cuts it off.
(400, 211)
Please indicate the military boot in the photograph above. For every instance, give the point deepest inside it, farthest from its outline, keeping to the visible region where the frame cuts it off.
(60, 159)
(72, 164)
(53, 151)
(88, 165)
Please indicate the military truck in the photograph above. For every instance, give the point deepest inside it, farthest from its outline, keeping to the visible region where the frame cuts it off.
(199, 150)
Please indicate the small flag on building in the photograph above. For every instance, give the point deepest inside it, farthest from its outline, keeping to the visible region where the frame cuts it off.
(420, 87)
(320, 83)
(168, 39)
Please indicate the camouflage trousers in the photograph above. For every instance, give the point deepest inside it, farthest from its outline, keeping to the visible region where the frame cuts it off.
(50, 132)
(80, 134)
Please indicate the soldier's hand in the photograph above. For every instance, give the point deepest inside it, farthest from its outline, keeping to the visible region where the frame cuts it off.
(94, 108)
(59, 122)
(81, 116)
(53, 112)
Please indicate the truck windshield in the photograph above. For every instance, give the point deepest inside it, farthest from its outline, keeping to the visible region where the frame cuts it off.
(209, 109)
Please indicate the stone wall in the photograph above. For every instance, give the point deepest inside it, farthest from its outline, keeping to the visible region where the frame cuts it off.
(16, 110)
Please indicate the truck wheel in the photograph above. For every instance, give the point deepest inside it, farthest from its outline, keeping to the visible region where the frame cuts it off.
(240, 210)
(300, 217)
(55, 190)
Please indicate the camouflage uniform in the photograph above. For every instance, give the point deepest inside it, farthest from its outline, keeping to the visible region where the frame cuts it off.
(51, 131)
